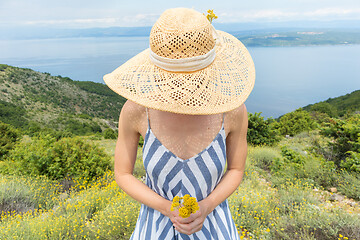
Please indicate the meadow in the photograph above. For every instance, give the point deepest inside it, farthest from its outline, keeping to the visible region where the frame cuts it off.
(293, 202)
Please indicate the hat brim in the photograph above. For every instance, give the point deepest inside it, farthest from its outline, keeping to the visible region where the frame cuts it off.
(222, 86)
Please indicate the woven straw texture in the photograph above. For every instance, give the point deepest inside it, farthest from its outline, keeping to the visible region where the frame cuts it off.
(182, 33)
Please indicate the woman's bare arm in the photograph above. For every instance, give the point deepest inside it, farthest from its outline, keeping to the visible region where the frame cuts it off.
(236, 150)
(125, 157)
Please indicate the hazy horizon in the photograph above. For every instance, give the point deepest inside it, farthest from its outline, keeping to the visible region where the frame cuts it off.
(89, 14)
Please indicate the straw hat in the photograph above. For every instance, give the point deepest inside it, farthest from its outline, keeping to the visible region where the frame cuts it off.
(189, 68)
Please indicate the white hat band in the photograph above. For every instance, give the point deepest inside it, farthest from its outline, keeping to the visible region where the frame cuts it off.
(190, 64)
(184, 64)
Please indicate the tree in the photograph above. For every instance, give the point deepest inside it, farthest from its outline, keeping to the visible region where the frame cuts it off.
(110, 134)
(295, 122)
(325, 107)
(345, 136)
(8, 137)
(260, 131)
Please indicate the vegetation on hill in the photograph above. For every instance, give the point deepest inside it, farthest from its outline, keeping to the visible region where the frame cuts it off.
(337, 120)
(301, 181)
(9, 136)
(33, 101)
(283, 195)
(339, 106)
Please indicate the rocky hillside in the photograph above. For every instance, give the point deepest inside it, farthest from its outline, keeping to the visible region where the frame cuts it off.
(27, 96)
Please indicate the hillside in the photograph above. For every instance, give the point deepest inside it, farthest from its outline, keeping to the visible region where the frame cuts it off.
(339, 106)
(299, 38)
(29, 97)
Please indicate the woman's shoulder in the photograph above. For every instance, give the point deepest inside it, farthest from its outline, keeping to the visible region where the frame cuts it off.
(236, 118)
(132, 108)
(133, 114)
(238, 112)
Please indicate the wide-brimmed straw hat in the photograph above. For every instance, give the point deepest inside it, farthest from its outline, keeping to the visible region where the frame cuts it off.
(189, 68)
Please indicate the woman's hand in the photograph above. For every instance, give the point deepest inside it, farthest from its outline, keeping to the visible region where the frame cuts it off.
(194, 222)
(173, 215)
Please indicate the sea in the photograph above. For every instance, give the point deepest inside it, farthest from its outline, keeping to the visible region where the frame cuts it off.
(287, 78)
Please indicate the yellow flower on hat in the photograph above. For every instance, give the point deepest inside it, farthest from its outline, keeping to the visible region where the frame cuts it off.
(186, 205)
(211, 15)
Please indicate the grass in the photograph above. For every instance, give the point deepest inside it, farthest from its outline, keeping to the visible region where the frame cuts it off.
(293, 204)
(96, 211)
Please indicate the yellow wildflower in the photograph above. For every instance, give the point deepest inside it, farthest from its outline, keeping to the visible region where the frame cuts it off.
(186, 205)
(211, 15)
(184, 212)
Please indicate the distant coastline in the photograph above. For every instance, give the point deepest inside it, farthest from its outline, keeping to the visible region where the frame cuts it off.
(251, 34)
(301, 38)
(268, 38)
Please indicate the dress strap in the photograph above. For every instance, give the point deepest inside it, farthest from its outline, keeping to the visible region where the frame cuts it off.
(223, 119)
(147, 116)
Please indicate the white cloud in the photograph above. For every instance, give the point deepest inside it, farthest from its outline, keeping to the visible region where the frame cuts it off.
(72, 21)
(282, 15)
(125, 21)
(140, 20)
(230, 16)
(324, 12)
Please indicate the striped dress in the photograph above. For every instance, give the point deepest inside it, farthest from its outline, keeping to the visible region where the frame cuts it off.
(170, 176)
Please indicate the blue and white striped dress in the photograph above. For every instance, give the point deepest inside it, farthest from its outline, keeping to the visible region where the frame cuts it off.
(170, 176)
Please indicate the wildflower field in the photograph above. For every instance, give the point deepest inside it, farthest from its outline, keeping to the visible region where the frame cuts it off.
(274, 201)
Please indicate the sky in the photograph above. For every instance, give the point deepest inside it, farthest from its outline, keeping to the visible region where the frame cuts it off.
(132, 13)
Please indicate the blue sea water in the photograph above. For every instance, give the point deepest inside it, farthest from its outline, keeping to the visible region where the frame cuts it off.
(286, 77)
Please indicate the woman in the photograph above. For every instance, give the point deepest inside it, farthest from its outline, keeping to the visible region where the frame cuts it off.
(185, 97)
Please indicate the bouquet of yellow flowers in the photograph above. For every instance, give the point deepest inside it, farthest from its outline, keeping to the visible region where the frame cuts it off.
(186, 205)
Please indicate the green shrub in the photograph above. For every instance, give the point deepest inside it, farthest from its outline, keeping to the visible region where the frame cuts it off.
(324, 107)
(141, 141)
(3, 67)
(52, 132)
(139, 169)
(122, 213)
(20, 194)
(292, 156)
(96, 136)
(110, 134)
(319, 117)
(12, 114)
(352, 162)
(67, 157)
(295, 122)
(320, 171)
(348, 183)
(345, 137)
(289, 158)
(263, 157)
(84, 116)
(260, 131)
(8, 137)
(33, 128)
(81, 128)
